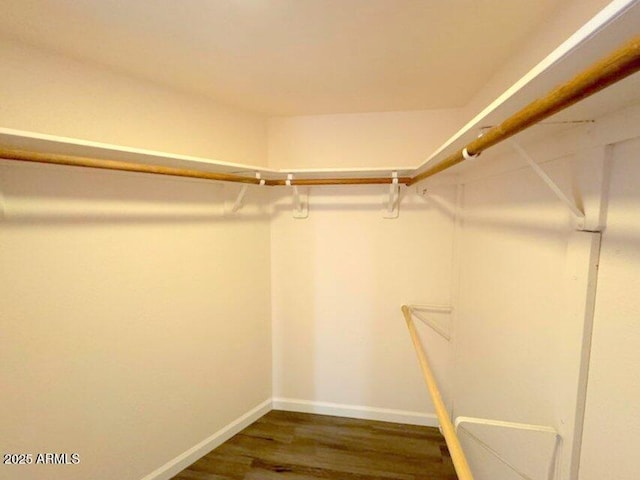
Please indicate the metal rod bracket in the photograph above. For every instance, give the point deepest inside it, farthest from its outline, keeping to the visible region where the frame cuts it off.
(467, 156)
(300, 199)
(237, 205)
(239, 202)
(393, 200)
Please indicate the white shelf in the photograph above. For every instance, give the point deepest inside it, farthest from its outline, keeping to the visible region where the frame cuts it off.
(24, 140)
(609, 29)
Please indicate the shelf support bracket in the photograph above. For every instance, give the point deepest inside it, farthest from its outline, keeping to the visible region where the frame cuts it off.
(239, 202)
(392, 204)
(578, 214)
(418, 310)
(300, 199)
(237, 205)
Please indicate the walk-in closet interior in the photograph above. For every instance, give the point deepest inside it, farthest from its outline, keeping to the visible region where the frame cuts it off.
(319, 239)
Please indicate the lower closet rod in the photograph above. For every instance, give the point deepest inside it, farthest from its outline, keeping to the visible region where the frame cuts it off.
(57, 159)
(453, 443)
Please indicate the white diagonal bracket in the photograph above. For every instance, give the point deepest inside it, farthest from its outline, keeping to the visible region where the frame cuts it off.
(418, 311)
(300, 199)
(239, 201)
(393, 201)
(237, 205)
(570, 204)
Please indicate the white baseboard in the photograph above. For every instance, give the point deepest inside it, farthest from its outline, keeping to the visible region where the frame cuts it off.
(182, 461)
(356, 411)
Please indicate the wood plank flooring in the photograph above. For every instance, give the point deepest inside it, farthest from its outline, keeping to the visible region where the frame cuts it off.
(301, 446)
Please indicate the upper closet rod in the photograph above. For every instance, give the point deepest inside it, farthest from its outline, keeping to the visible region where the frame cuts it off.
(9, 154)
(616, 66)
(340, 181)
(59, 159)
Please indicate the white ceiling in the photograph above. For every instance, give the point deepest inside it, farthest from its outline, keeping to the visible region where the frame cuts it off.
(291, 57)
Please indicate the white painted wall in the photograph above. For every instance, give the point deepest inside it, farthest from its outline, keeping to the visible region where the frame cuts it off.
(517, 344)
(523, 271)
(359, 140)
(129, 302)
(612, 421)
(47, 93)
(518, 330)
(339, 278)
(129, 305)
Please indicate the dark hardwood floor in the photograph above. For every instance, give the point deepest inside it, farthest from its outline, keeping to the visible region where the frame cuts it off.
(301, 446)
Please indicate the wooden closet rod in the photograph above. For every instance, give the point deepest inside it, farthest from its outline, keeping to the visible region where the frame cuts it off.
(448, 431)
(618, 65)
(69, 160)
(340, 181)
(56, 159)
(613, 68)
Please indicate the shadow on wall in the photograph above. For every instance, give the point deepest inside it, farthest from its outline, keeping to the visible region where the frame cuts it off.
(46, 194)
(360, 198)
(49, 194)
